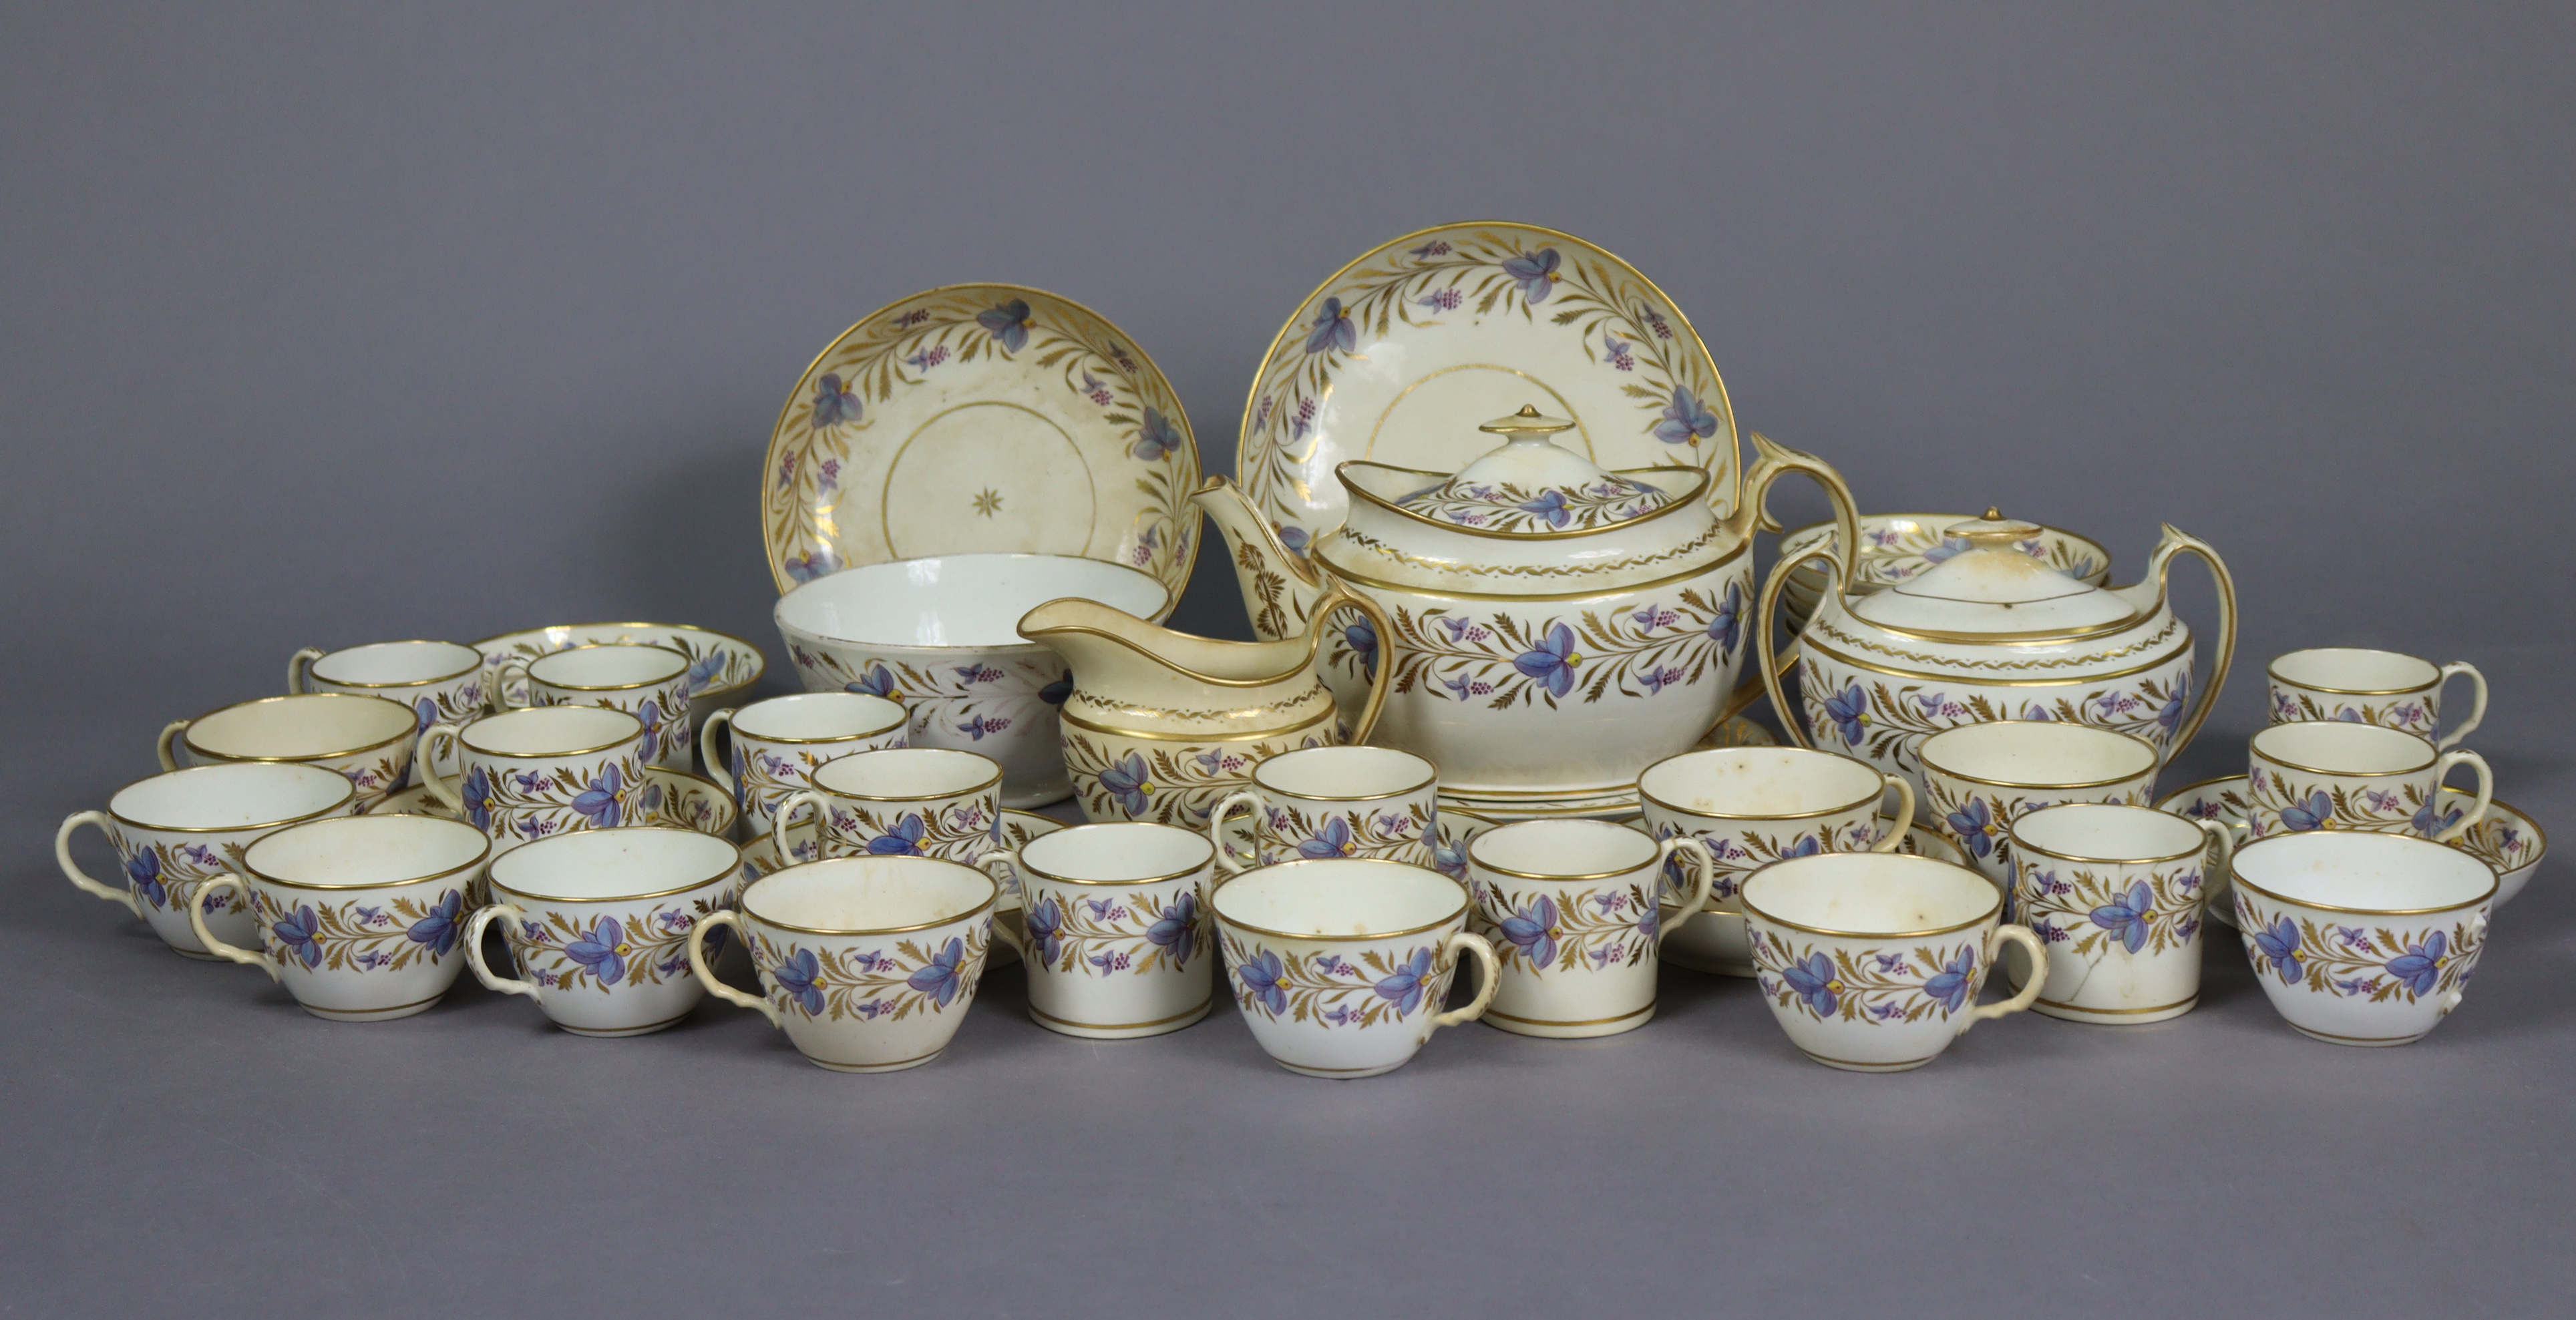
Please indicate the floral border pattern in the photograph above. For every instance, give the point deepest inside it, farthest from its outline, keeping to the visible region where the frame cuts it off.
(1132, 932)
(1501, 660)
(651, 949)
(1588, 930)
(1886, 723)
(921, 976)
(2353, 962)
(1876, 987)
(1290, 832)
(1330, 990)
(2290, 706)
(2092, 912)
(165, 875)
(959, 833)
(1175, 783)
(534, 804)
(2277, 805)
(358, 936)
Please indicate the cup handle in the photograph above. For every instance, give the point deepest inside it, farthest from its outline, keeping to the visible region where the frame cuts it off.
(707, 977)
(1904, 813)
(501, 685)
(2478, 932)
(2029, 940)
(474, 951)
(79, 878)
(1487, 981)
(786, 812)
(1789, 717)
(167, 746)
(1226, 861)
(1683, 843)
(299, 670)
(425, 755)
(2477, 708)
(717, 768)
(2222, 837)
(1000, 931)
(2486, 790)
(197, 923)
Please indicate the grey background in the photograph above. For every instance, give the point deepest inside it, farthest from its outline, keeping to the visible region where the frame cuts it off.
(329, 326)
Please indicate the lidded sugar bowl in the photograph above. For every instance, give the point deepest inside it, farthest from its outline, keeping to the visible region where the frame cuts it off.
(1994, 634)
(1554, 627)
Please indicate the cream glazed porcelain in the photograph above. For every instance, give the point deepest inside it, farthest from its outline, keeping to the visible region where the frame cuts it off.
(1980, 778)
(175, 831)
(2362, 939)
(2333, 775)
(648, 682)
(1993, 634)
(599, 922)
(526, 774)
(1573, 910)
(1552, 627)
(438, 680)
(2386, 688)
(1114, 927)
(2117, 895)
(1334, 802)
(369, 739)
(897, 802)
(776, 744)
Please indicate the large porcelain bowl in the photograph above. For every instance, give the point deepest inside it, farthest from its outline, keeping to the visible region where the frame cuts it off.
(941, 636)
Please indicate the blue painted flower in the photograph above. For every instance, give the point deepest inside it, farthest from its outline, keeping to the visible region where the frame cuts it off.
(604, 801)
(1849, 710)
(797, 976)
(877, 682)
(1535, 274)
(1728, 624)
(1008, 323)
(297, 932)
(1974, 826)
(2126, 915)
(1949, 987)
(650, 716)
(1054, 693)
(941, 977)
(834, 402)
(2429, 820)
(1045, 923)
(2310, 814)
(1946, 551)
(1405, 987)
(2279, 945)
(2169, 715)
(1127, 781)
(705, 670)
(478, 796)
(1294, 537)
(2420, 967)
(1177, 930)
(1361, 637)
(1533, 928)
(1450, 859)
(440, 929)
(1332, 840)
(807, 565)
(1552, 664)
(1333, 329)
(143, 872)
(1156, 437)
(1812, 979)
(1549, 507)
(1686, 420)
(904, 840)
(1260, 978)
(424, 713)
(602, 950)
(1808, 845)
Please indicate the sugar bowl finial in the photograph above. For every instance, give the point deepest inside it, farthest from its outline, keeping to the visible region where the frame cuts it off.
(1529, 421)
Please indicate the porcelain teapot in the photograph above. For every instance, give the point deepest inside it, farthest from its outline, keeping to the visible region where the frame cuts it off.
(1993, 634)
(1551, 627)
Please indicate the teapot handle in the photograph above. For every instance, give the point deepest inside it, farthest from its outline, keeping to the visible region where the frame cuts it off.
(1335, 598)
(2179, 542)
(1790, 724)
(1774, 461)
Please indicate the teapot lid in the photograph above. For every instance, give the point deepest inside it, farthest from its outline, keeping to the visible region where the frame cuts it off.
(1992, 588)
(1534, 486)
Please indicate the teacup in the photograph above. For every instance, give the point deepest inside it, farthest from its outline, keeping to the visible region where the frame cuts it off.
(867, 963)
(175, 831)
(438, 680)
(368, 739)
(2116, 894)
(2387, 688)
(361, 918)
(2330, 775)
(1572, 909)
(1340, 966)
(1872, 961)
(527, 774)
(2360, 938)
(778, 742)
(1115, 929)
(1325, 802)
(1753, 806)
(897, 802)
(1979, 778)
(648, 682)
(599, 923)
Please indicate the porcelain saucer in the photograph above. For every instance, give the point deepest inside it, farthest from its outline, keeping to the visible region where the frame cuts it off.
(722, 667)
(2505, 838)
(760, 857)
(673, 797)
(980, 417)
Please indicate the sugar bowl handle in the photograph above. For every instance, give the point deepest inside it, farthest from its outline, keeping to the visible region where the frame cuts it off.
(1790, 721)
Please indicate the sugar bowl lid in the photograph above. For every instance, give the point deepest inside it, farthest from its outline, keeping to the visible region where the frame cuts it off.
(1993, 589)
(1534, 486)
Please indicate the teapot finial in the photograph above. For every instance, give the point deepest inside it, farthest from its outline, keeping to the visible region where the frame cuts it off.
(1994, 513)
(1529, 421)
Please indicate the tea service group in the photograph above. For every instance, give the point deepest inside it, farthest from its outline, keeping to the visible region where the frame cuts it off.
(1494, 534)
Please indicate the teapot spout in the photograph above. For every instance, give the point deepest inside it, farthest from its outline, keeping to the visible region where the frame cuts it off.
(1280, 589)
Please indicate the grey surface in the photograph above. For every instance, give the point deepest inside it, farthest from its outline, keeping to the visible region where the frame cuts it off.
(329, 327)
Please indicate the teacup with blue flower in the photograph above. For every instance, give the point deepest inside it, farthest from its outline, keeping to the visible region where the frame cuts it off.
(598, 924)
(2340, 775)
(775, 744)
(1326, 802)
(2359, 686)
(175, 831)
(546, 770)
(368, 739)
(896, 802)
(646, 681)
(1575, 912)
(2118, 894)
(2362, 938)
(438, 680)
(1113, 927)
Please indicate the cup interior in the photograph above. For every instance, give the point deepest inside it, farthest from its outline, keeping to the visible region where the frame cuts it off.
(397, 664)
(294, 728)
(1349, 896)
(350, 852)
(1562, 849)
(551, 731)
(2098, 832)
(906, 774)
(818, 717)
(2355, 670)
(956, 600)
(608, 666)
(1871, 894)
(1344, 773)
(2361, 871)
(868, 895)
(620, 863)
(1760, 783)
(2338, 747)
(231, 796)
(2037, 754)
(1118, 851)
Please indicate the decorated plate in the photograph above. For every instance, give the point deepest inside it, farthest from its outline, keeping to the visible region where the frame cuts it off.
(980, 417)
(722, 667)
(2504, 838)
(1401, 353)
